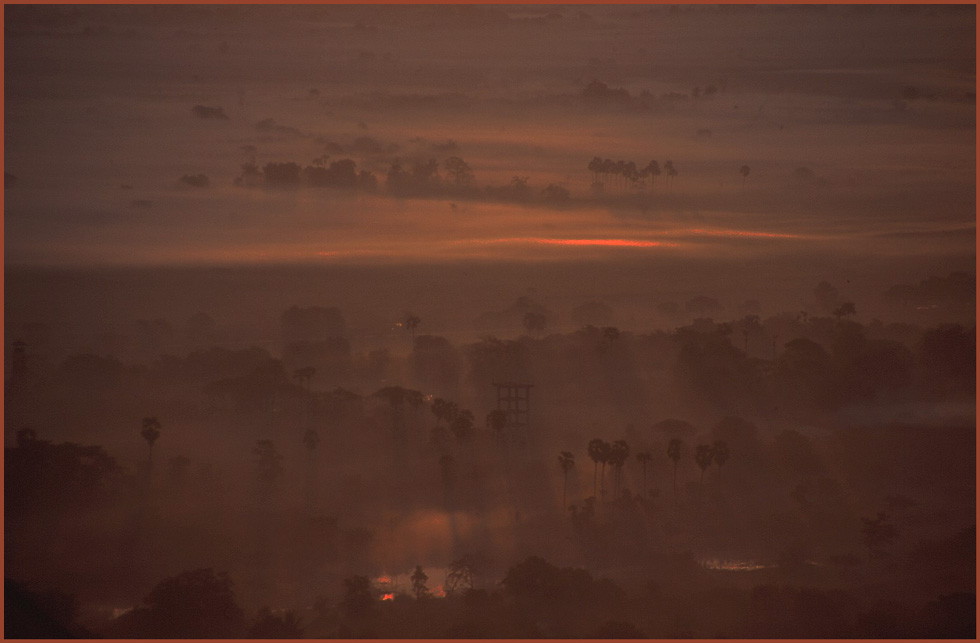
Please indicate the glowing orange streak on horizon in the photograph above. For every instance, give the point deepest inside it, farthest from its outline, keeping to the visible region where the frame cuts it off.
(628, 243)
(738, 233)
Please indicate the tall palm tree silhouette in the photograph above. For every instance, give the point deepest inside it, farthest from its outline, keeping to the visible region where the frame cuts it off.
(598, 452)
(653, 170)
(744, 171)
(150, 432)
(567, 461)
(619, 451)
(670, 171)
(410, 322)
(444, 410)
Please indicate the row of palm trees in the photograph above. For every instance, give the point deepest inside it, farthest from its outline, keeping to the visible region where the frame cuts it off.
(616, 454)
(626, 174)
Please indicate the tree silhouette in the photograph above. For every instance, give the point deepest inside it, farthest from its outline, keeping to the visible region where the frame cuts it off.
(652, 169)
(197, 603)
(674, 453)
(462, 425)
(459, 171)
(460, 574)
(150, 432)
(644, 457)
(703, 456)
(419, 578)
(595, 166)
(845, 310)
(444, 410)
(670, 171)
(398, 398)
(598, 452)
(410, 322)
(619, 451)
(744, 171)
(566, 460)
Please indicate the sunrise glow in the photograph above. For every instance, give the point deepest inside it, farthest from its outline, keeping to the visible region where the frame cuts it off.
(738, 233)
(622, 243)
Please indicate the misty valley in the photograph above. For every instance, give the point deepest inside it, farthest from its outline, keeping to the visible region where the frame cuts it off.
(523, 321)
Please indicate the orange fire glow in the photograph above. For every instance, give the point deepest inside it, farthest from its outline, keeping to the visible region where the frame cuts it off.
(388, 597)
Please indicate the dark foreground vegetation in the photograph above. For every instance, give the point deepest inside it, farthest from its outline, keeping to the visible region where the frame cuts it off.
(798, 475)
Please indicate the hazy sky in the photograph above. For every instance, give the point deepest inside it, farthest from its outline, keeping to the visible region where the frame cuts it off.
(875, 103)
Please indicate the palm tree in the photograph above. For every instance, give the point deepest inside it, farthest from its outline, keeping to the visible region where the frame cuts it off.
(398, 398)
(744, 171)
(567, 461)
(150, 432)
(418, 583)
(598, 452)
(844, 310)
(410, 322)
(653, 169)
(645, 457)
(444, 410)
(619, 451)
(462, 425)
(620, 169)
(703, 457)
(595, 166)
(459, 171)
(631, 174)
(670, 171)
(608, 168)
(674, 453)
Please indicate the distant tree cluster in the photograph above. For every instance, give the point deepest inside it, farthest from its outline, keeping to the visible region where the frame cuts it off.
(607, 173)
(339, 174)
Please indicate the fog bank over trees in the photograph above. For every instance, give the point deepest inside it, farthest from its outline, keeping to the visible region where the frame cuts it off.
(395, 321)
